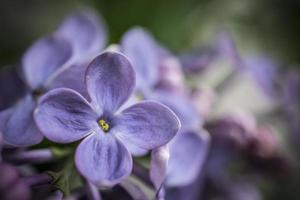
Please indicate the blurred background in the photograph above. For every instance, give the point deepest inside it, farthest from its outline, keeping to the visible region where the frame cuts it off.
(269, 27)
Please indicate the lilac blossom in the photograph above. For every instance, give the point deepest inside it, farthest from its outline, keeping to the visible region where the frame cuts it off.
(86, 31)
(39, 62)
(141, 49)
(266, 74)
(54, 61)
(64, 116)
(11, 87)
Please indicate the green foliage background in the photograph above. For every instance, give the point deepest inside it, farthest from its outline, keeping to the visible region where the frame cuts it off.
(270, 27)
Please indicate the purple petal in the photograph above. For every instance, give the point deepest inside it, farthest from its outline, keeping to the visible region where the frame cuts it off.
(226, 47)
(102, 159)
(187, 154)
(11, 87)
(110, 80)
(73, 78)
(182, 107)
(86, 31)
(197, 61)
(43, 58)
(18, 126)
(141, 49)
(64, 116)
(266, 74)
(147, 125)
(135, 150)
(158, 166)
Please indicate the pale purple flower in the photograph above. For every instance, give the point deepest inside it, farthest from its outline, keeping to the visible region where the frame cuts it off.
(197, 61)
(39, 62)
(11, 87)
(226, 48)
(141, 49)
(188, 153)
(266, 74)
(64, 116)
(189, 147)
(55, 61)
(86, 31)
(171, 77)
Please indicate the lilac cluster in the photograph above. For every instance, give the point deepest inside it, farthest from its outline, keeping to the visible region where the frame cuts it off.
(107, 121)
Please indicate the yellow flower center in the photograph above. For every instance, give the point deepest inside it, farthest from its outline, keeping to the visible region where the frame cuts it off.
(104, 125)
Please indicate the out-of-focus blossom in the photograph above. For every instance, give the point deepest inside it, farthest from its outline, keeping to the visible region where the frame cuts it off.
(188, 152)
(181, 105)
(141, 50)
(39, 62)
(64, 116)
(86, 31)
(226, 48)
(266, 74)
(171, 77)
(197, 61)
(237, 129)
(11, 186)
(55, 61)
(11, 87)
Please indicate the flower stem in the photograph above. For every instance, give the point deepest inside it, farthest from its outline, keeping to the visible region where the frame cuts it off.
(38, 179)
(92, 191)
(32, 156)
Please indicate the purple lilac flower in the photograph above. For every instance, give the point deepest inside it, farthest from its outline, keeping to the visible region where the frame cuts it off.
(86, 31)
(11, 87)
(226, 48)
(64, 116)
(266, 74)
(171, 77)
(188, 149)
(196, 61)
(39, 62)
(187, 155)
(141, 49)
(55, 61)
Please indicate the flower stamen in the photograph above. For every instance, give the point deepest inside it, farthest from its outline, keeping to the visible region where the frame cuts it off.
(104, 125)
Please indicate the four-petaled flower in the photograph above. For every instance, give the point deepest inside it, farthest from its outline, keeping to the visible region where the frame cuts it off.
(64, 116)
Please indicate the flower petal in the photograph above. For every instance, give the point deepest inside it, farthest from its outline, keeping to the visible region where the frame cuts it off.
(64, 116)
(182, 107)
(110, 80)
(11, 87)
(266, 74)
(135, 150)
(187, 155)
(102, 159)
(18, 126)
(73, 78)
(141, 49)
(86, 31)
(147, 125)
(43, 58)
(158, 166)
